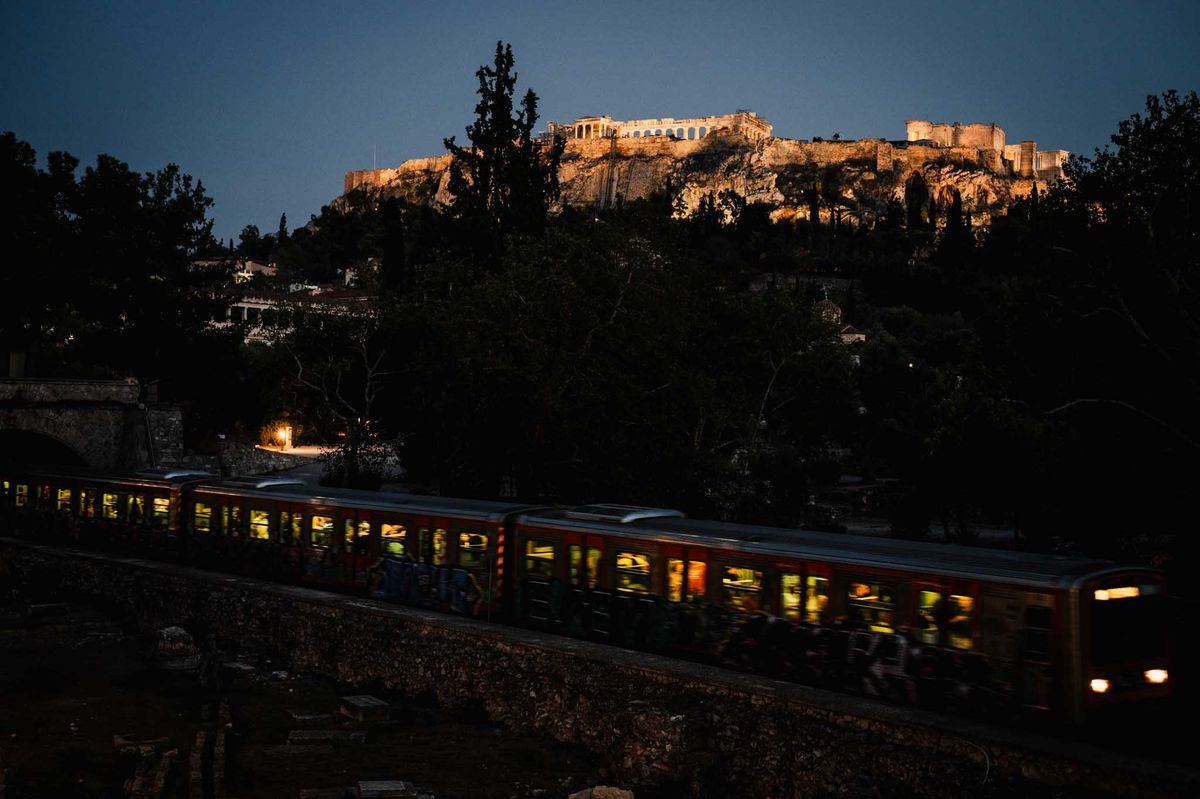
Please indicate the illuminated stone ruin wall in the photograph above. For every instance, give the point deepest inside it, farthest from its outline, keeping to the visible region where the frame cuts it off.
(747, 123)
(984, 136)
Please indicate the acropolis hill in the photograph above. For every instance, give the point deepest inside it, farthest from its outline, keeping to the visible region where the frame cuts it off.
(606, 161)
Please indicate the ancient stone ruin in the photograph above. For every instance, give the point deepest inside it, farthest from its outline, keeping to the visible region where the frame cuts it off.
(607, 162)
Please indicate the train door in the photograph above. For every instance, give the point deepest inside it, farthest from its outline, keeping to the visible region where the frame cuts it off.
(587, 607)
(686, 582)
(320, 541)
(431, 538)
(1016, 638)
(289, 540)
(354, 553)
(471, 583)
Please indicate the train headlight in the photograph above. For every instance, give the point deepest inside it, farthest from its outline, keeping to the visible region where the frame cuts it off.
(1156, 676)
(1100, 686)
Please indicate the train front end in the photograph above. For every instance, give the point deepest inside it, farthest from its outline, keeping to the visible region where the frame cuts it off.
(1126, 647)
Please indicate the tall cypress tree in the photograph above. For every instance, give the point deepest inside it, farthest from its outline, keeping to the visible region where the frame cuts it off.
(506, 179)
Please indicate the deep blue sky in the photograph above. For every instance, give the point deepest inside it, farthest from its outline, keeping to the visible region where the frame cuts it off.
(270, 105)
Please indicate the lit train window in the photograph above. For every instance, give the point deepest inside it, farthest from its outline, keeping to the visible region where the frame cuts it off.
(22, 498)
(873, 603)
(674, 579)
(136, 512)
(260, 524)
(63, 501)
(575, 564)
(393, 537)
(362, 537)
(358, 536)
(472, 550)
(202, 518)
(930, 610)
(108, 506)
(791, 596)
(539, 559)
(87, 502)
(160, 511)
(584, 572)
(321, 531)
(439, 547)
(685, 584)
(633, 573)
(231, 520)
(697, 577)
(291, 526)
(741, 588)
(816, 599)
(959, 623)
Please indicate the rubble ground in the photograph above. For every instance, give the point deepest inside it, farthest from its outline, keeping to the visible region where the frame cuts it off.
(87, 703)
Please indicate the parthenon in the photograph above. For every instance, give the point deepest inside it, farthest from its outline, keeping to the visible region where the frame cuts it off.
(748, 123)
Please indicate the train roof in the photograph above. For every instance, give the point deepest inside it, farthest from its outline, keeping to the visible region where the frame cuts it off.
(948, 560)
(164, 478)
(280, 488)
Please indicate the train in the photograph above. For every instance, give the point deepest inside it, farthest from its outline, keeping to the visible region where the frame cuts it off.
(995, 633)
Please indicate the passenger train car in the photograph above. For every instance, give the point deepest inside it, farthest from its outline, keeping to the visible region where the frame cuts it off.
(968, 629)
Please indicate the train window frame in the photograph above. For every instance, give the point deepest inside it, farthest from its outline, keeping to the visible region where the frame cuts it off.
(263, 525)
(816, 612)
(584, 573)
(386, 542)
(87, 502)
(160, 511)
(327, 532)
(478, 557)
(759, 591)
(207, 516)
(110, 505)
(623, 586)
(688, 578)
(528, 557)
(876, 624)
(69, 506)
(793, 612)
(20, 495)
(928, 625)
(135, 508)
(440, 552)
(954, 636)
(232, 521)
(291, 526)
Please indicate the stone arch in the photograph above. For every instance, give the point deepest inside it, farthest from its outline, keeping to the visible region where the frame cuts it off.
(703, 131)
(691, 133)
(658, 132)
(587, 131)
(579, 131)
(35, 448)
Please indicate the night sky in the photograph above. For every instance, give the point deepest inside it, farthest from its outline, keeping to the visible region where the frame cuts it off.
(269, 106)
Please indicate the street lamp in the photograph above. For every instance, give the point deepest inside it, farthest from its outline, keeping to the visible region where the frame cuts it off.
(284, 434)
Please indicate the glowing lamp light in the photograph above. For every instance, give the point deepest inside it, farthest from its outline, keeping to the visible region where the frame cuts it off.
(284, 435)
(1122, 592)
(1156, 676)
(1099, 686)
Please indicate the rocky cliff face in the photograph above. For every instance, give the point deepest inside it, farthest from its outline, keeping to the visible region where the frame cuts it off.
(865, 174)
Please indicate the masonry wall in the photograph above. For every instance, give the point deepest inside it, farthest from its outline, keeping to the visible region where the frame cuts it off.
(654, 719)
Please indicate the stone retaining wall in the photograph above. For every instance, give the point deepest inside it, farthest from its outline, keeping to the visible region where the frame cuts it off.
(715, 732)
